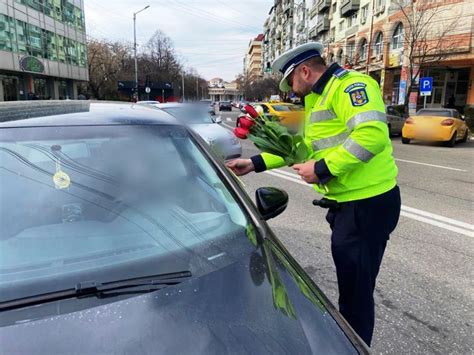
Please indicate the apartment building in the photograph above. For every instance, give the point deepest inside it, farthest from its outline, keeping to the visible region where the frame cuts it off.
(285, 27)
(43, 52)
(372, 36)
(253, 58)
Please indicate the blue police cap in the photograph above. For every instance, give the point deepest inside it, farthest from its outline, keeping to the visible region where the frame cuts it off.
(288, 61)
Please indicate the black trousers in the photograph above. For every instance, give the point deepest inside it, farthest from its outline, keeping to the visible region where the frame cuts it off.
(360, 231)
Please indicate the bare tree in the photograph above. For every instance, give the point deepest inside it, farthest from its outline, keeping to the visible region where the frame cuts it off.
(106, 62)
(428, 26)
(258, 89)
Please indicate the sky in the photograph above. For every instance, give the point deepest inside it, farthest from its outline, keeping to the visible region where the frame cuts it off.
(210, 36)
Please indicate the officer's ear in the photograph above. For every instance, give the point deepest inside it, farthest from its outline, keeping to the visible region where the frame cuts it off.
(305, 72)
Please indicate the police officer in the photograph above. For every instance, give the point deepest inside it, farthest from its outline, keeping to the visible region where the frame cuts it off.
(350, 163)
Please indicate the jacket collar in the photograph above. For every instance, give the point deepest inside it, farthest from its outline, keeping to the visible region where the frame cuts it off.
(318, 88)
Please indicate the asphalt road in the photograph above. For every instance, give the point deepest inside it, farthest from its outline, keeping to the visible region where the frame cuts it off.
(425, 290)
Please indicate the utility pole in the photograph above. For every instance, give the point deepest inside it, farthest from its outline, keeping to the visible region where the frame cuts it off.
(135, 48)
(182, 84)
(370, 38)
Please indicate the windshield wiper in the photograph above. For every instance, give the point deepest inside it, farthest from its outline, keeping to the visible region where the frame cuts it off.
(101, 290)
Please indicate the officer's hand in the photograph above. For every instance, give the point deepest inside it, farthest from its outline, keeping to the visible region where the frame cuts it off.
(306, 171)
(240, 166)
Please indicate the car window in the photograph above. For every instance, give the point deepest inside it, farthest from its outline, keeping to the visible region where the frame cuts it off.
(437, 113)
(189, 115)
(108, 203)
(281, 108)
(265, 109)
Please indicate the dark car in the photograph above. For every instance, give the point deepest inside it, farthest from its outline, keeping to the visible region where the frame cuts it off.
(107, 247)
(225, 106)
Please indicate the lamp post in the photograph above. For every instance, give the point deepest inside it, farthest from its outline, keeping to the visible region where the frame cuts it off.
(135, 48)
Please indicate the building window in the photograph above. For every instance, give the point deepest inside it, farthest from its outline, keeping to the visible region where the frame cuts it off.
(378, 46)
(364, 14)
(379, 5)
(340, 55)
(5, 38)
(363, 49)
(354, 19)
(398, 37)
(332, 34)
(350, 51)
(23, 38)
(341, 26)
(60, 10)
(334, 8)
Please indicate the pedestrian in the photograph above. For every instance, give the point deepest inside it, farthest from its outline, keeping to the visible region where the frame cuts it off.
(350, 163)
(451, 102)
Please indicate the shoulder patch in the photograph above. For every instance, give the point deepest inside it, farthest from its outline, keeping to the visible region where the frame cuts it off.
(340, 73)
(358, 96)
(355, 85)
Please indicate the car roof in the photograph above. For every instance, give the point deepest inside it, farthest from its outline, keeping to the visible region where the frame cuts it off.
(90, 114)
(438, 109)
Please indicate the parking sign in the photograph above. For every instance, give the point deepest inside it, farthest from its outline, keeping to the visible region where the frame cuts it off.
(426, 86)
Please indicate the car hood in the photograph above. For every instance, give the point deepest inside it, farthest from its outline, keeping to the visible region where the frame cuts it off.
(253, 306)
(211, 131)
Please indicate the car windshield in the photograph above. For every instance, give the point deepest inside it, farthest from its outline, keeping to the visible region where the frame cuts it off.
(107, 203)
(282, 108)
(438, 113)
(190, 115)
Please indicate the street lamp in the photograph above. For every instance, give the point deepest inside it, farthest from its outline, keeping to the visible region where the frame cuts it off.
(135, 47)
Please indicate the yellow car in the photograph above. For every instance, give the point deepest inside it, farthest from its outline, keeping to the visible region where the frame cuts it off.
(288, 114)
(436, 125)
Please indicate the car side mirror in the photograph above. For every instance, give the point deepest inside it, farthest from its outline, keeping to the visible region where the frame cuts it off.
(218, 119)
(271, 201)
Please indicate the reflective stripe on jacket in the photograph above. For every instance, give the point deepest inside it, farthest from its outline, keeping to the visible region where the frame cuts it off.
(346, 127)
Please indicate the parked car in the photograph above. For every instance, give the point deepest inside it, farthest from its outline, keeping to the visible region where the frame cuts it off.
(147, 102)
(126, 235)
(225, 106)
(287, 114)
(211, 106)
(395, 121)
(436, 124)
(207, 126)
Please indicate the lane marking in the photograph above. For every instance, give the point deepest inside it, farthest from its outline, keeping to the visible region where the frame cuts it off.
(438, 217)
(409, 212)
(432, 165)
(437, 224)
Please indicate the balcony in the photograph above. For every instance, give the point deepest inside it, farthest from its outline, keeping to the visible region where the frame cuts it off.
(352, 30)
(322, 25)
(323, 5)
(313, 12)
(348, 7)
(313, 32)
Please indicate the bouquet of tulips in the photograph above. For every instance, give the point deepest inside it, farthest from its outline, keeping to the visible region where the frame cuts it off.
(270, 136)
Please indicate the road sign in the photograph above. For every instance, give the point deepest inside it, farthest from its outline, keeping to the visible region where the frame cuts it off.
(426, 86)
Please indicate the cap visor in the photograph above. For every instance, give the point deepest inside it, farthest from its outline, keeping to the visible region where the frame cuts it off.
(284, 86)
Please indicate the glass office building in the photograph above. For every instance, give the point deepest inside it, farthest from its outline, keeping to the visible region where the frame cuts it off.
(43, 52)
